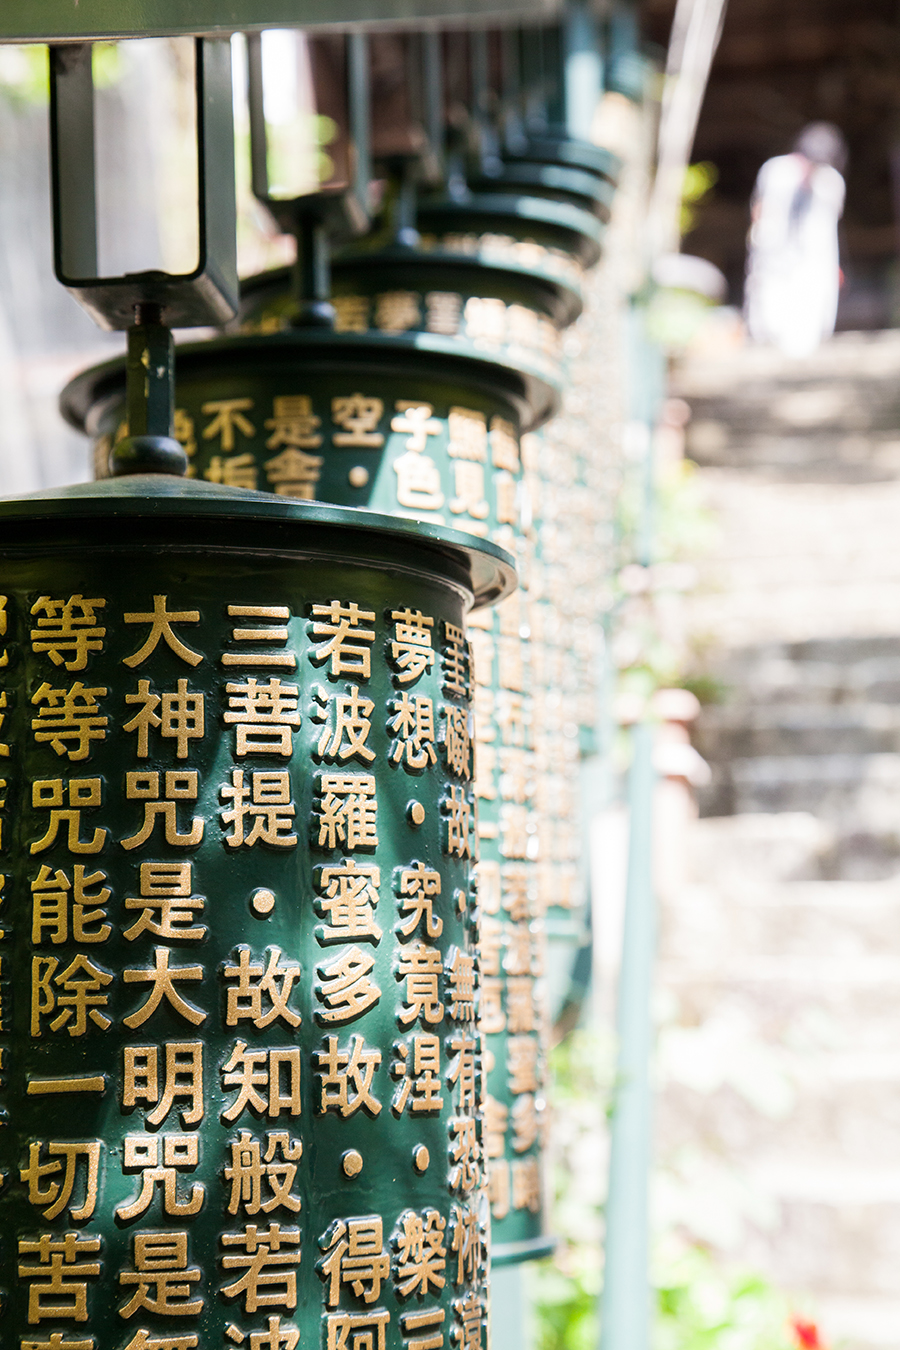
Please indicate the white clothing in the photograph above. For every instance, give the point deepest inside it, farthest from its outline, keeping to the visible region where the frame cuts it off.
(792, 286)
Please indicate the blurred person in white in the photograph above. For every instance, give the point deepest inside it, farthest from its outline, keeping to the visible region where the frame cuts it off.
(793, 272)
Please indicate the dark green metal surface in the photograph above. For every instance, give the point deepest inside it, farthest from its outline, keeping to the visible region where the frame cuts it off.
(514, 312)
(565, 238)
(182, 851)
(61, 20)
(563, 150)
(557, 182)
(408, 426)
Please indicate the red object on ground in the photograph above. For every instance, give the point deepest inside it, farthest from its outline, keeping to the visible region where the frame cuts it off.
(807, 1335)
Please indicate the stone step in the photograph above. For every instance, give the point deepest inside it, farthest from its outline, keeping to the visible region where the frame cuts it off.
(746, 732)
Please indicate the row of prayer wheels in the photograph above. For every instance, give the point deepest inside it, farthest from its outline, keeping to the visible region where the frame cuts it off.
(290, 798)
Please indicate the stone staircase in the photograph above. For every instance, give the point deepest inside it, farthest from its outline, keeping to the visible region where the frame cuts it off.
(779, 1114)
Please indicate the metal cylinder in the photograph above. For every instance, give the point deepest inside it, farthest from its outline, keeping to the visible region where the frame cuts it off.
(240, 1076)
(411, 426)
(508, 309)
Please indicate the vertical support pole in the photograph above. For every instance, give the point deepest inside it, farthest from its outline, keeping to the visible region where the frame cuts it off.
(625, 1317)
(583, 69)
(73, 184)
(626, 1308)
(359, 98)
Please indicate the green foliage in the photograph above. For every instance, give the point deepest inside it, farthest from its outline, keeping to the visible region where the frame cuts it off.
(699, 180)
(24, 75)
(703, 1305)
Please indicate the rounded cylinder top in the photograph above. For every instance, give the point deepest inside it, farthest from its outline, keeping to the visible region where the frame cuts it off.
(145, 509)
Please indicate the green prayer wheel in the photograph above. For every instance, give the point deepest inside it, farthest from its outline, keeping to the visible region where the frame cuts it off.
(595, 159)
(504, 308)
(408, 425)
(240, 1076)
(561, 238)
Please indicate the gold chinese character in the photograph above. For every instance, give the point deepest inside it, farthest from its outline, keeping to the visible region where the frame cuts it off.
(416, 420)
(265, 803)
(267, 632)
(264, 716)
(418, 887)
(251, 1170)
(468, 482)
(345, 987)
(420, 1082)
(460, 972)
(294, 473)
(468, 436)
(485, 321)
(159, 1166)
(520, 1004)
(67, 628)
(294, 423)
(467, 1243)
(465, 1154)
(526, 1123)
(351, 313)
(522, 1064)
(430, 1321)
(357, 1331)
(457, 740)
(228, 416)
(345, 1077)
(161, 1276)
(524, 326)
(278, 1071)
(76, 991)
(232, 470)
(504, 445)
(270, 1277)
(181, 718)
(68, 1159)
(351, 728)
(442, 312)
(411, 650)
(261, 992)
(163, 978)
(356, 1256)
(347, 897)
(347, 811)
(59, 1275)
(456, 661)
(70, 720)
(161, 620)
(418, 480)
(359, 416)
(421, 1254)
(471, 1320)
(178, 785)
(421, 966)
(167, 907)
(54, 897)
(182, 1079)
(458, 812)
(397, 311)
(345, 627)
(506, 497)
(463, 1071)
(413, 727)
(526, 1184)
